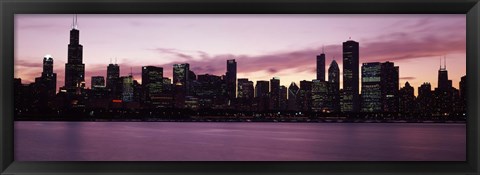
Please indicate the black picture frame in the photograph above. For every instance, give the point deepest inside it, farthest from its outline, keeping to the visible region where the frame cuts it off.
(8, 8)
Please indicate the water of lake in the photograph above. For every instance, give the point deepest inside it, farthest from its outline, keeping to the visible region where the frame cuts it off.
(189, 141)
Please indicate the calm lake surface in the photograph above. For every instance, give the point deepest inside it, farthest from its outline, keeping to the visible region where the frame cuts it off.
(170, 141)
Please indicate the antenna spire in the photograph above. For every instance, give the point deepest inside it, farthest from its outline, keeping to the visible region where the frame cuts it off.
(115, 60)
(110, 60)
(440, 62)
(323, 49)
(445, 62)
(74, 23)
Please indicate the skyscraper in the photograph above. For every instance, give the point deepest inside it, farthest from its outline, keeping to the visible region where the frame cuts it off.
(231, 79)
(245, 89)
(443, 82)
(350, 76)
(181, 75)
(152, 83)
(293, 90)
(211, 92)
(282, 98)
(390, 81)
(127, 89)
(407, 99)
(74, 68)
(425, 99)
(371, 87)
(274, 93)
(444, 94)
(379, 87)
(113, 73)
(114, 83)
(49, 79)
(334, 80)
(305, 96)
(319, 96)
(321, 66)
(245, 94)
(261, 95)
(44, 88)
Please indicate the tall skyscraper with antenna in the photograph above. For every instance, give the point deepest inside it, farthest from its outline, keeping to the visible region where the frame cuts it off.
(443, 82)
(74, 68)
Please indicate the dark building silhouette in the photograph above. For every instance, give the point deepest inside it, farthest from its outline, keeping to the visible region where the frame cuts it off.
(262, 95)
(407, 99)
(99, 92)
(245, 94)
(274, 93)
(293, 91)
(192, 83)
(191, 75)
(113, 73)
(231, 79)
(463, 93)
(320, 102)
(444, 83)
(127, 88)
(334, 80)
(137, 92)
(321, 66)
(447, 98)
(211, 92)
(379, 87)
(45, 86)
(152, 83)
(371, 87)
(167, 85)
(425, 99)
(245, 89)
(98, 82)
(351, 99)
(19, 96)
(390, 82)
(305, 96)
(74, 68)
(181, 74)
(48, 78)
(282, 98)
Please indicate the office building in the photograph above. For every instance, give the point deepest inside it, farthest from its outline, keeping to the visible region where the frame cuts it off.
(231, 79)
(74, 68)
(350, 76)
(334, 80)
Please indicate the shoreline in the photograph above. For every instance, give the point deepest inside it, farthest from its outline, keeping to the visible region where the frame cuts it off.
(245, 121)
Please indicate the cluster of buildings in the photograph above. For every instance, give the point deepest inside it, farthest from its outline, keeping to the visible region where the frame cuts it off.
(380, 92)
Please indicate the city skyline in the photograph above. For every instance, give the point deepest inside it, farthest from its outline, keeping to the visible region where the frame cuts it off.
(256, 65)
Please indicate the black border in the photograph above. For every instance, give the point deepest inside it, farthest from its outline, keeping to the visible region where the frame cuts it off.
(10, 7)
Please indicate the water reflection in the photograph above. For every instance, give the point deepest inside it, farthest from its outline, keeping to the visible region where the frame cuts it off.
(157, 141)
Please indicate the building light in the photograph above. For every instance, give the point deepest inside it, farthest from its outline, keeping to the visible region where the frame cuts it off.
(116, 101)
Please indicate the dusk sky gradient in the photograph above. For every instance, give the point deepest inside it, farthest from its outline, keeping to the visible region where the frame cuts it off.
(264, 46)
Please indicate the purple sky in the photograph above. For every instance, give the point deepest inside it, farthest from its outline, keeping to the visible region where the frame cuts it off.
(264, 46)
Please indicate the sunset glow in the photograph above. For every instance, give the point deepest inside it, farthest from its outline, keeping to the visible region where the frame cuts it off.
(264, 46)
